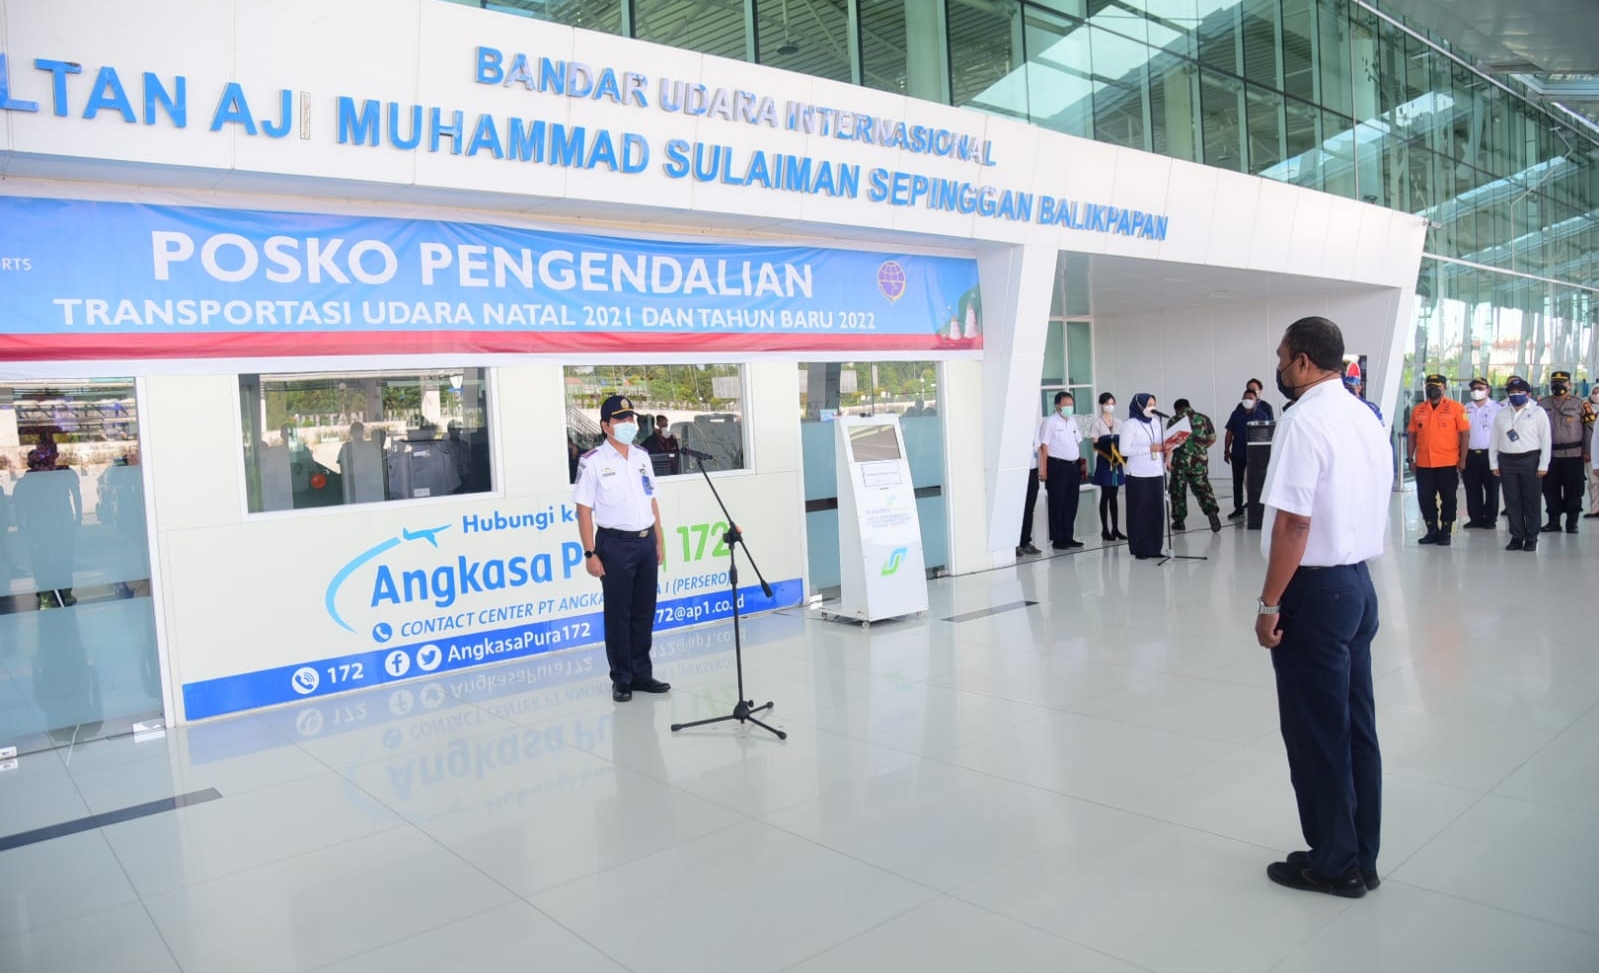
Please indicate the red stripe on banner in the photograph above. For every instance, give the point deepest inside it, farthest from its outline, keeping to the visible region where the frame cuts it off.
(59, 347)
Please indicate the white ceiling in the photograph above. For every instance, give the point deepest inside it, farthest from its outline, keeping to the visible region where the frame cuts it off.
(1127, 285)
(1544, 36)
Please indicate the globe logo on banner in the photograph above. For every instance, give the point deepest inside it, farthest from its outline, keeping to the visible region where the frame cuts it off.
(891, 280)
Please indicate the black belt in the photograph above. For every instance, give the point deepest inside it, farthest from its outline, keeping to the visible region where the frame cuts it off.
(1482, 451)
(613, 532)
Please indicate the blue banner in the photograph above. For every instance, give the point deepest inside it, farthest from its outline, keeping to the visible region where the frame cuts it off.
(127, 280)
(362, 670)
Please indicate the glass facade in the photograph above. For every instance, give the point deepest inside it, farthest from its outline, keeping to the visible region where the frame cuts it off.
(1332, 95)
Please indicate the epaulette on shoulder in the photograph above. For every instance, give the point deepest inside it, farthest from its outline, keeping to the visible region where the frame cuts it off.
(589, 453)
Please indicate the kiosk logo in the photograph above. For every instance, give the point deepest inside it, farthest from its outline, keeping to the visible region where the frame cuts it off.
(895, 560)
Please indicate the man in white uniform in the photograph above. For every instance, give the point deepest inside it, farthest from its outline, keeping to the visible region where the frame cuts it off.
(624, 545)
(1327, 495)
(1060, 469)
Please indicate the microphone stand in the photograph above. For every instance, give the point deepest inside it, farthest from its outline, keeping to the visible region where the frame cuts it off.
(1165, 489)
(744, 711)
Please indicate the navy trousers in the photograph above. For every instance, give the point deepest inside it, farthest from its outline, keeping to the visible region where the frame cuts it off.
(1027, 508)
(1065, 486)
(631, 573)
(1328, 714)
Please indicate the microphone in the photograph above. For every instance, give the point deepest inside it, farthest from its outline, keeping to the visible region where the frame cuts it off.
(694, 453)
(1160, 413)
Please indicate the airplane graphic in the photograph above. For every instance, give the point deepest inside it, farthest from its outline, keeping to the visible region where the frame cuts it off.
(429, 534)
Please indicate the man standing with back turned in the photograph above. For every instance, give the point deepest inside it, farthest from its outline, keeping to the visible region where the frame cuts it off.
(1327, 493)
(624, 545)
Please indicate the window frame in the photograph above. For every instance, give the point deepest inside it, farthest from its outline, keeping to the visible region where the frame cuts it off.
(491, 414)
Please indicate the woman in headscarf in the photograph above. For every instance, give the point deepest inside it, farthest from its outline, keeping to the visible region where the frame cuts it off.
(1109, 469)
(1143, 444)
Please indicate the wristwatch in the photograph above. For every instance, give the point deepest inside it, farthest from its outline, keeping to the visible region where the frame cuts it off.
(1261, 608)
(587, 555)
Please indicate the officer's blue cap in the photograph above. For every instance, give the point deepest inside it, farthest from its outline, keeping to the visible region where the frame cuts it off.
(616, 407)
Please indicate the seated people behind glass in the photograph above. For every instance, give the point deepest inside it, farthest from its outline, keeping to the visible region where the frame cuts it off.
(663, 449)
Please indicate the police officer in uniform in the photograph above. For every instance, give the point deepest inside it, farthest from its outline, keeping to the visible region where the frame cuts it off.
(1327, 490)
(1569, 421)
(624, 545)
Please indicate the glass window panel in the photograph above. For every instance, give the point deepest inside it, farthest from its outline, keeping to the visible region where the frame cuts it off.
(1054, 371)
(1173, 100)
(1080, 352)
(1219, 37)
(1222, 108)
(1059, 74)
(1304, 165)
(1267, 138)
(1337, 88)
(329, 439)
(77, 623)
(708, 26)
(884, 59)
(1299, 46)
(702, 407)
(1262, 47)
(985, 58)
(1119, 87)
(600, 15)
(1338, 152)
(1174, 25)
(808, 36)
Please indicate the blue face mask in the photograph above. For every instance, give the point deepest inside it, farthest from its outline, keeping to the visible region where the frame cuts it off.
(1518, 399)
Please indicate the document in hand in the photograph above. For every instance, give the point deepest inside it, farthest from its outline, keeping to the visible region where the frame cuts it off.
(1177, 433)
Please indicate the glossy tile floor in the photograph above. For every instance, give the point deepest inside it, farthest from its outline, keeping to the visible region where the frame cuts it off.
(1092, 783)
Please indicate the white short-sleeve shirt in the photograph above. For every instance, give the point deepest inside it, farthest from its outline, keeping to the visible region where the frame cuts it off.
(1331, 462)
(1063, 437)
(619, 489)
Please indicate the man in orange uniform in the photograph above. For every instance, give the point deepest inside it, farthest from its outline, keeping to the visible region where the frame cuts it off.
(1440, 434)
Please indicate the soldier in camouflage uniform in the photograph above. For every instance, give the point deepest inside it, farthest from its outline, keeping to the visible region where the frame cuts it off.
(1190, 467)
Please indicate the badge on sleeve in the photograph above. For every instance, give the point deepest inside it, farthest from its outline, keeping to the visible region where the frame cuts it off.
(644, 478)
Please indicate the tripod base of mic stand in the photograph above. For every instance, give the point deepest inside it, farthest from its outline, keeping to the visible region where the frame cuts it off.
(744, 712)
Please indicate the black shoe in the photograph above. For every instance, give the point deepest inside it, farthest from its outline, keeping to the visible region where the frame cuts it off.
(1215, 524)
(651, 686)
(1305, 879)
(1514, 545)
(1237, 512)
(1073, 545)
(1179, 525)
(1105, 535)
(1431, 537)
(1029, 550)
(1061, 547)
(1590, 516)
(1301, 859)
(1443, 535)
(1118, 535)
(1551, 527)
(1571, 528)
(621, 695)
(1529, 546)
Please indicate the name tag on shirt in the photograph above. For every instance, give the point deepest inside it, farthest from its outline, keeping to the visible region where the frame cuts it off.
(1511, 435)
(649, 491)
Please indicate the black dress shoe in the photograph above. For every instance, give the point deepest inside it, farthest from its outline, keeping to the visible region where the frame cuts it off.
(1179, 525)
(1514, 545)
(1215, 524)
(1301, 859)
(651, 686)
(1060, 547)
(1590, 516)
(1306, 879)
(1118, 535)
(1550, 527)
(621, 695)
(1073, 545)
(1529, 546)
(1571, 528)
(1104, 535)
(1237, 512)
